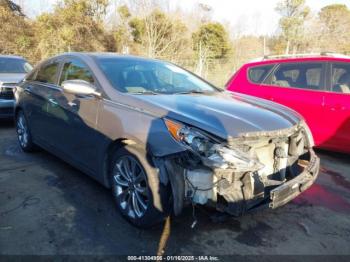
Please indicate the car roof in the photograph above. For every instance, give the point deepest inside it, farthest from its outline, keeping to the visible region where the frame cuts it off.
(96, 55)
(299, 58)
(12, 57)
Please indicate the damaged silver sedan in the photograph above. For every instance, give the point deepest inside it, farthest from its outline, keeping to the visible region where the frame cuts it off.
(161, 137)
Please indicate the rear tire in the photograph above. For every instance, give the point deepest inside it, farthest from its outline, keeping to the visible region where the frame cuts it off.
(23, 133)
(137, 191)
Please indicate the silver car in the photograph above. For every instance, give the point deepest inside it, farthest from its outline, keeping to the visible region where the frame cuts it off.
(12, 71)
(161, 137)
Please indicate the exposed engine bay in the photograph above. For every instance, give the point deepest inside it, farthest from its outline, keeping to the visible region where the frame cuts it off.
(252, 170)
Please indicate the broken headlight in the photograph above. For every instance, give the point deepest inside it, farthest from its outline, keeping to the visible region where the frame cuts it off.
(188, 136)
(213, 154)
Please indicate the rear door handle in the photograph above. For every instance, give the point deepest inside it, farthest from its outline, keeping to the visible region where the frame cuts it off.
(338, 107)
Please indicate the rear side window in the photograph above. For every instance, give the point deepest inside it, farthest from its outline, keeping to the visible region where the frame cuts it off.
(259, 73)
(47, 73)
(299, 75)
(341, 78)
(76, 70)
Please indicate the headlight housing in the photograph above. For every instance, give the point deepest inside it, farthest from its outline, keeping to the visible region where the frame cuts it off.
(308, 134)
(212, 153)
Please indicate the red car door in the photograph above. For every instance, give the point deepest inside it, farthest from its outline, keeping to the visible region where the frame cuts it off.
(337, 108)
(300, 86)
(248, 81)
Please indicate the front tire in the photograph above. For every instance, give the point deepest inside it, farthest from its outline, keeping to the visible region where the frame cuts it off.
(137, 192)
(23, 133)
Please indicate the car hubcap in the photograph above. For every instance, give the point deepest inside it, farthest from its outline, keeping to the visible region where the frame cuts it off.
(22, 131)
(131, 186)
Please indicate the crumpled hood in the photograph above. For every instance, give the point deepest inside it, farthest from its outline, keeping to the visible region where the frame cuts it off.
(222, 114)
(11, 78)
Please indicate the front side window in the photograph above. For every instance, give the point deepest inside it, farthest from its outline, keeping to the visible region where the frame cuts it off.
(76, 70)
(144, 76)
(341, 78)
(258, 74)
(32, 75)
(47, 73)
(14, 66)
(299, 75)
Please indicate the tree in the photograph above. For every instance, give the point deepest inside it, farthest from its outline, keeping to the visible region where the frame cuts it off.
(16, 31)
(16, 9)
(210, 41)
(122, 34)
(74, 25)
(160, 35)
(334, 21)
(294, 13)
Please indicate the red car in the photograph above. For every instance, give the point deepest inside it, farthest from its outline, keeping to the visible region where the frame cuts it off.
(316, 86)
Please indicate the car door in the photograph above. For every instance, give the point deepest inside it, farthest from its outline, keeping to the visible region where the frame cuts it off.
(337, 108)
(77, 115)
(301, 86)
(40, 90)
(248, 81)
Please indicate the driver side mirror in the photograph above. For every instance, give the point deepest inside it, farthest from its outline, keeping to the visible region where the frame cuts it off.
(79, 87)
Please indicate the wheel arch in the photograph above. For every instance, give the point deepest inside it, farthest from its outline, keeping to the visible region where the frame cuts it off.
(111, 149)
(17, 109)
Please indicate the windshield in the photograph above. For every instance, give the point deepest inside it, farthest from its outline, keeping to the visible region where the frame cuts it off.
(14, 66)
(151, 77)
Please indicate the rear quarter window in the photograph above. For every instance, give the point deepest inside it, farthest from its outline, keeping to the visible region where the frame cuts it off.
(258, 74)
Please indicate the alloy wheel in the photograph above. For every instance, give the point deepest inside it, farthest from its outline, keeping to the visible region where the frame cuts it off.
(131, 186)
(22, 131)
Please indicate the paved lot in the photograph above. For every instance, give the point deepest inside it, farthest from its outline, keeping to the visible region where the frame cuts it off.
(48, 207)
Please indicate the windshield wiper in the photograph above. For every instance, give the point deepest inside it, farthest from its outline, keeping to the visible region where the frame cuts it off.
(144, 93)
(190, 92)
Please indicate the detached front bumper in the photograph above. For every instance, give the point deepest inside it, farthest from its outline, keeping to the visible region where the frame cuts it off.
(239, 193)
(276, 196)
(292, 188)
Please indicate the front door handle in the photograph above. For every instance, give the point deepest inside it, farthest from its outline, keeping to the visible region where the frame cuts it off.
(53, 101)
(28, 89)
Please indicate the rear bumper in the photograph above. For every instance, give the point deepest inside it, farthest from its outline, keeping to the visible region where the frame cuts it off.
(6, 108)
(292, 188)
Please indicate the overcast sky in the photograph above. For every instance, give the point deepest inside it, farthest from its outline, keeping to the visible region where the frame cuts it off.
(245, 16)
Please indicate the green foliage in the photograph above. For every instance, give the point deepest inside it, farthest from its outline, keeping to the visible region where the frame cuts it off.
(335, 27)
(214, 38)
(159, 34)
(124, 12)
(11, 6)
(74, 25)
(334, 15)
(193, 41)
(16, 34)
(137, 29)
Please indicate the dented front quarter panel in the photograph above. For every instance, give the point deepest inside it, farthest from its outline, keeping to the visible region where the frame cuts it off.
(122, 121)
